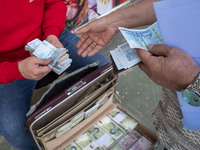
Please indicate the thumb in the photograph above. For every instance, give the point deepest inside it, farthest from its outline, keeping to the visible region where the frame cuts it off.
(159, 49)
(144, 55)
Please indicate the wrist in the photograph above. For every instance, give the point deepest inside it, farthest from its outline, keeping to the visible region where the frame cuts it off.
(195, 84)
(191, 93)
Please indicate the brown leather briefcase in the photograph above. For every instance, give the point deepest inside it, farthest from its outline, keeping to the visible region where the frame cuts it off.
(57, 119)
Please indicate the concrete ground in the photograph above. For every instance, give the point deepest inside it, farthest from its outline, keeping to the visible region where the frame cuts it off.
(139, 95)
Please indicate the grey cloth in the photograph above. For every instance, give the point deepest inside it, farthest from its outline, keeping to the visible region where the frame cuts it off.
(167, 120)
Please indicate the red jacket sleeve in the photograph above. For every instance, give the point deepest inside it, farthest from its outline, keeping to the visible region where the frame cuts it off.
(54, 17)
(9, 72)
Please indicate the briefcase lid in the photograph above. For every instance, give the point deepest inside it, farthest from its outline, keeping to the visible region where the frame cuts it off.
(63, 83)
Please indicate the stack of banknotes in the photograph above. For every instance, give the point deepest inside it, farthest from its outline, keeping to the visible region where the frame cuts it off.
(44, 50)
(116, 131)
(125, 55)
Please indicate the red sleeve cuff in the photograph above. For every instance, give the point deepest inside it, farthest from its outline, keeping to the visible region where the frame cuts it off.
(52, 31)
(10, 72)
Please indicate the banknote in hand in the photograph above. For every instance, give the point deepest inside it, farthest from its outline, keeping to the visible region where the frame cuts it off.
(141, 38)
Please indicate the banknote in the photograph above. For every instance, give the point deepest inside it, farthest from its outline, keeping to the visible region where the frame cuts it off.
(66, 127)
(102, 138)
(72, 146)
(124, 56)
(142, 144)
(122, 119)
(130, 55)
(44, 50)
(60, 68)
(32, 45)
(124, 142)
(63, 58)
(104, 98)
(118, 64)
(78, 118)
(91, 110)
(114, 130)
(141, 38)
(85, 142)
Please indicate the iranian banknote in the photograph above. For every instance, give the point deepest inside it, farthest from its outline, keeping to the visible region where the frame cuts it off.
(124, 56)
(142, 144)
(114, 130)
(85, 142)
(72, 146)
(44, 50)
(122, 119)
(124, 142)
(143, 37)
(102, 138)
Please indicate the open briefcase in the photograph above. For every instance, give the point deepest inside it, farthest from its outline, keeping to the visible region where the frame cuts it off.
(78, 112)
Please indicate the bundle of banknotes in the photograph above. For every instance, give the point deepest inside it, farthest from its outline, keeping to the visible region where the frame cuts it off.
(114, 132)
(125, 55)
(44, 50)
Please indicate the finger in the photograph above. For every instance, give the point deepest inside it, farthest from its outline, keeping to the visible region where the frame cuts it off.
(88, 49)
(144, 55)
(58, 45)
(95, 50)
(43, 62)
(91, 51)
(87, 45)
(81, 40)
(159, 49)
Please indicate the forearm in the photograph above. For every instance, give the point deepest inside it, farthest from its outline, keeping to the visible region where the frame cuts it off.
(135, 15)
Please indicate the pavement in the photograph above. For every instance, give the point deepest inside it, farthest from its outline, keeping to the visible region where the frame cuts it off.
(138, 94)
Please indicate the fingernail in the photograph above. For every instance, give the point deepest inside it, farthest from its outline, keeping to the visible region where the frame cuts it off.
(150, 46)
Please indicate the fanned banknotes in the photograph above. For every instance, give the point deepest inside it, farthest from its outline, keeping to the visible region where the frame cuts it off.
(44, 50)
(125, 55)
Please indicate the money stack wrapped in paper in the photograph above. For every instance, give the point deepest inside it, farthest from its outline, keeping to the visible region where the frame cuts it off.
(72, 146)
(44, 50)
(103, 139)
(87, 143)
(122, 119)
(114, 130)
(125, 141)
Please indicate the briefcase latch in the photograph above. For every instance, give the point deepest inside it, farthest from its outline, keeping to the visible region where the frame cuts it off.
(75, 87)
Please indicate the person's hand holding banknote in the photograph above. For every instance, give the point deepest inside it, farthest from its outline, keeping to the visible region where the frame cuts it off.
(167, 66)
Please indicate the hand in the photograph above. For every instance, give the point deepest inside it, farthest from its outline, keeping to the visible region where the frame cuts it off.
(54, 41)
(171, 67)
(99, 31)
(34, 68)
